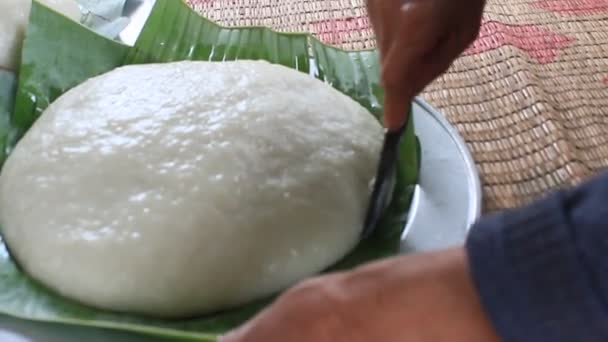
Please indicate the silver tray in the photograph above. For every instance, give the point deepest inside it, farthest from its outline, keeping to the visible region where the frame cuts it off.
(447, 200)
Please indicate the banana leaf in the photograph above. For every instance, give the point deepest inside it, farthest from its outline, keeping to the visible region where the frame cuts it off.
(59, 54)
(7, 102)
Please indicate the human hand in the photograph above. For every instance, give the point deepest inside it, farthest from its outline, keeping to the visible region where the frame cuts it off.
(416, 298)
(418, 40)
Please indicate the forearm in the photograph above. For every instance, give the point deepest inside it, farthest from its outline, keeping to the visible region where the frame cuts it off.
(542, 270)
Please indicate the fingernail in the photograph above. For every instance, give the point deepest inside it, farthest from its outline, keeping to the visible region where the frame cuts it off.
(406, 6)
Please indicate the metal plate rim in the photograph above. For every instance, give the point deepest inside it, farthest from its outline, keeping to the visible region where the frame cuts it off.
(474, 180)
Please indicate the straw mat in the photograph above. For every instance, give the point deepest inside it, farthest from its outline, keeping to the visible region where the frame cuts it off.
(530, 96)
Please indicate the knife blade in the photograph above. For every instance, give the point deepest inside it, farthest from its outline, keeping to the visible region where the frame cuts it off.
(384, 183)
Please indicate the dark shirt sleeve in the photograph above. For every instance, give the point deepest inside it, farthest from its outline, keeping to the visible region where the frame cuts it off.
(542, 270)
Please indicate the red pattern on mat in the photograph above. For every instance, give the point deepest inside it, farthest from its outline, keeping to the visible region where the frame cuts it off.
(335, 31)
(538, 43)
(576, 7)
(606, 80)
(193, 3)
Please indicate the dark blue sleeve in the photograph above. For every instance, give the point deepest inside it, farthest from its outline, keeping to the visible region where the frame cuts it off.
(542, 270)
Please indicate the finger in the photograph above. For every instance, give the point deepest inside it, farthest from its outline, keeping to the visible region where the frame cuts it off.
(413, 39)
(396, 108)
(402, 64)
(237, 335)
(442, 57)
(438, 61)
(452, 45)
(232, 336)
(254, 330)
(381, 14)
(250, 332)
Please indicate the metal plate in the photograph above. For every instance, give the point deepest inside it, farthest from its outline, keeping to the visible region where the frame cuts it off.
(447, 200)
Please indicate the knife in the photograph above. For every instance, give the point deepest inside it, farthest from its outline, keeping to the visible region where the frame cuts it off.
(385, 180)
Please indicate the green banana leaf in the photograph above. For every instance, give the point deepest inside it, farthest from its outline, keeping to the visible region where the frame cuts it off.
(59, 54)
(7, 102)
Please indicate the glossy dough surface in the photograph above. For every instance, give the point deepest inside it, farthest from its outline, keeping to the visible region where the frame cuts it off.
(185, 188)
(14, 15)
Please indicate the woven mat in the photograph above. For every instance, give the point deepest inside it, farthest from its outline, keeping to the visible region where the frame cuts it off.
(530, 96)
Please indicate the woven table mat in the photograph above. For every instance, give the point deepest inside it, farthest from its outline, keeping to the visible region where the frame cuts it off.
(530, 96)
